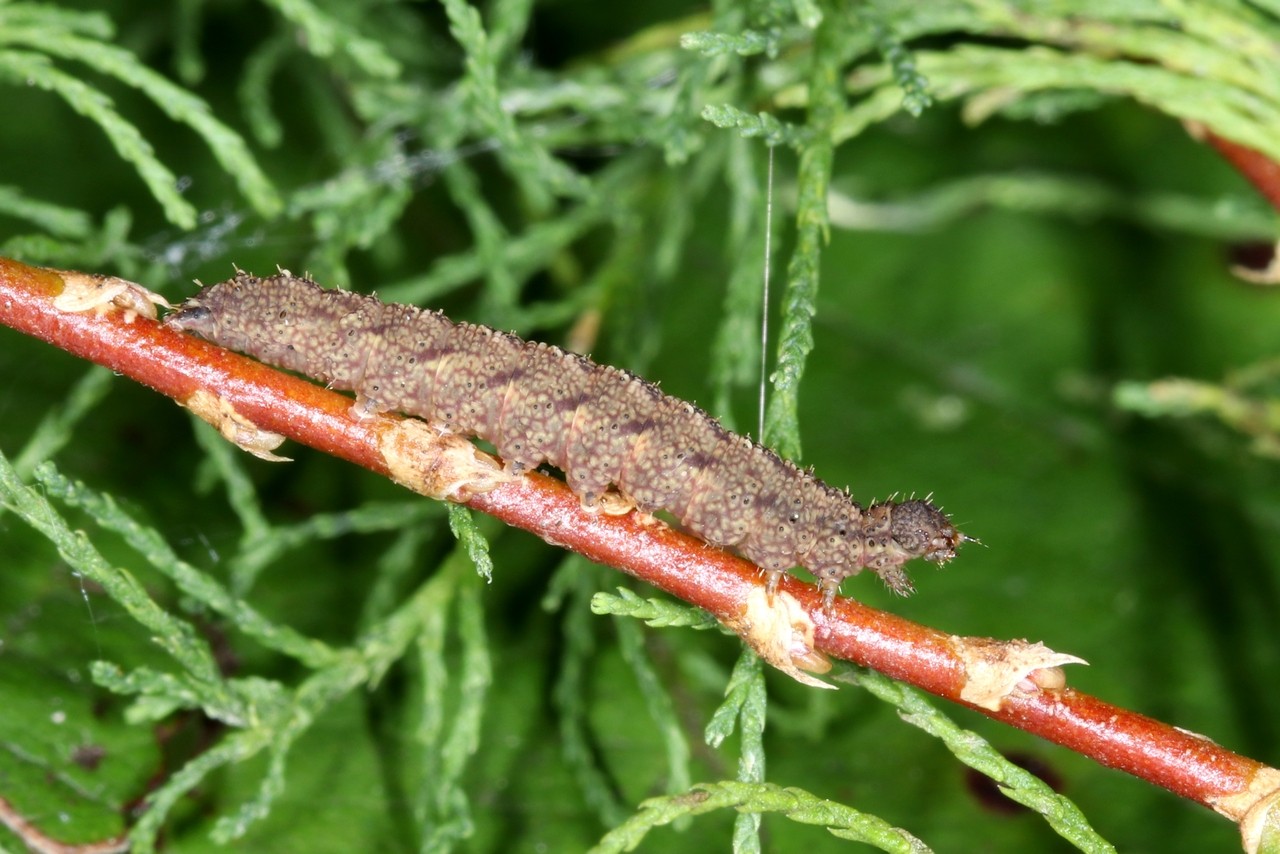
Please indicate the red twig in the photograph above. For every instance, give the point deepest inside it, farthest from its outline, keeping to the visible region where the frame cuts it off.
(178, 365)
(1261, 171)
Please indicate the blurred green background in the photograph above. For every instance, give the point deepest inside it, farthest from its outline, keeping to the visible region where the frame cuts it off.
(985, 287)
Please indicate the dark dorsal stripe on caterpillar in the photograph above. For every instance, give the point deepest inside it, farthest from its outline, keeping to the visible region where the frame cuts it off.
(603, 427)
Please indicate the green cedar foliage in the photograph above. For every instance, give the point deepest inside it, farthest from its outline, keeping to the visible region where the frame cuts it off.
(991, 231)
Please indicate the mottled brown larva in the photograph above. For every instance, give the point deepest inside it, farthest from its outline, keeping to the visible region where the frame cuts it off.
(605, 428)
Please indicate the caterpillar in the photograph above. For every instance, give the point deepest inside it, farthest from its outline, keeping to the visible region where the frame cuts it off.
(605, 428)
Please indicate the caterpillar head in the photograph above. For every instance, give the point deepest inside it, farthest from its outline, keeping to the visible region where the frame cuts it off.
(202, 315)
(195, 317)
(921, 530)
(285, 320)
